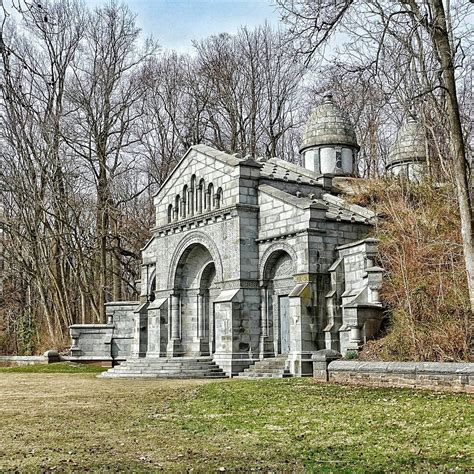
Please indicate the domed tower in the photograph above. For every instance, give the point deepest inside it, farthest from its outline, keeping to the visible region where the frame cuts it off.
(329, 142)
(408, 154)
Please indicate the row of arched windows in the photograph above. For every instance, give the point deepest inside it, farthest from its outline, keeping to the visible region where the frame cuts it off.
(194, 199)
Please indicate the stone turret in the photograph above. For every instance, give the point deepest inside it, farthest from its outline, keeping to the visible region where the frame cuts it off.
(408, 154)
(329, 142)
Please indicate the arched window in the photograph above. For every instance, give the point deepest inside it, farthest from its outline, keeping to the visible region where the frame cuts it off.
(170, 213)
(210, 196)
(201, 196)
(184, 201)
(219, 198)
(151, 290)
(191, 196)
(177, 202)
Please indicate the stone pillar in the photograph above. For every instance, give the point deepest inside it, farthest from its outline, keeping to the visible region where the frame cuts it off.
(321, 361)
(263, 320)
(175, 316)
(200, 315)
(174, 343)
(136, 335)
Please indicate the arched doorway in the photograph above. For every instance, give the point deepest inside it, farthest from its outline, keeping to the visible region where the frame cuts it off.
(194, 292)
(277, 285)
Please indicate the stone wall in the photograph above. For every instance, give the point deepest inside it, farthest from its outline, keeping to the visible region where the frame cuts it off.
(105, 343)
(454, 377)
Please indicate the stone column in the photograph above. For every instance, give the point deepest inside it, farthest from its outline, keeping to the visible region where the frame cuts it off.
(200, 315)
(169, 317)
(174, 342)
(175, 316)
(265, 339)
(264, 312)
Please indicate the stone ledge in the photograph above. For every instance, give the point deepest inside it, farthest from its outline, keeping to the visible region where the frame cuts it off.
(439, 376)
(448, 368)
(7, 361)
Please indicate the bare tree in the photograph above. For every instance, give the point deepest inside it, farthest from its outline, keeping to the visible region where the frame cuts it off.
(430, 23)
(34, 177)
(105, 105)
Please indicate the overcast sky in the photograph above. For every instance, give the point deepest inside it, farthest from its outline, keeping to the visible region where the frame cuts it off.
(175, 23)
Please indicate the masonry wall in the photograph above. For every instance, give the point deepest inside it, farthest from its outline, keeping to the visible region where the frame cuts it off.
(457, 377)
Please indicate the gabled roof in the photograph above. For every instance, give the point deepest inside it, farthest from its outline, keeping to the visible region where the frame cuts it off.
(300, 202)
(205, 150)
(336, 208)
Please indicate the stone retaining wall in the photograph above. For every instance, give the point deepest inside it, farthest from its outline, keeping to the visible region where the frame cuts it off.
(10, 361)
(47, 358)
(454, 377)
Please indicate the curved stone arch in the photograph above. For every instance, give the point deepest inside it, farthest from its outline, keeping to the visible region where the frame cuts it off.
(205, 273)
(185, 244)
(270, 252)
(151, 277)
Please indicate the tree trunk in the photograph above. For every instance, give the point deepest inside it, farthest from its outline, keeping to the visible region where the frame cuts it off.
(440, 35)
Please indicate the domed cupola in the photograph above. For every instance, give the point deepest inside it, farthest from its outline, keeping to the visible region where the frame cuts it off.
(329, 142)
(408, 154)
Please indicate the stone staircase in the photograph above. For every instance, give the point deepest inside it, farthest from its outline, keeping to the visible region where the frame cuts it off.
(271, 367)
(169, 368)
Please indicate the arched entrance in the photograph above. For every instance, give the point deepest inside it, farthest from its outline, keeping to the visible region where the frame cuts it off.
(277, 284)
(194, 291)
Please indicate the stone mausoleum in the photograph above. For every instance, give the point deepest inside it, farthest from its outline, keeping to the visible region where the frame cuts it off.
(253, 266)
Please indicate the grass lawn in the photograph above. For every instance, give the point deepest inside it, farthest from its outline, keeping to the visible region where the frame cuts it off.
(76, 422)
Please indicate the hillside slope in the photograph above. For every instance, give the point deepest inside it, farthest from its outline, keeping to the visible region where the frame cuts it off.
(425, 286)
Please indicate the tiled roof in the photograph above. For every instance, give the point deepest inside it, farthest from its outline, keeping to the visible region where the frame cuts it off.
(409, 144)
(328, 125)
(278, 169)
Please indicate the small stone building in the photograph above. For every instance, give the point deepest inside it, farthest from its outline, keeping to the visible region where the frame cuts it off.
(251, 262)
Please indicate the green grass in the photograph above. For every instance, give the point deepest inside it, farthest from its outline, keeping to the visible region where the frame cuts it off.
(74, 422)
(55, 368)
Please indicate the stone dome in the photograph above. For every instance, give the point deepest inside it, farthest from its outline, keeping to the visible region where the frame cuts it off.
(409, 145)
(329, 125)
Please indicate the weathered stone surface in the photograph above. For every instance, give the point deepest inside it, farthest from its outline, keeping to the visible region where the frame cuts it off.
(458, 377)
(328, 125)
(52, 356)
(239, 267)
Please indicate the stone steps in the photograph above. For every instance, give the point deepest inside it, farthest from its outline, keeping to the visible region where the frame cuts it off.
(272, 367)
(170, 368)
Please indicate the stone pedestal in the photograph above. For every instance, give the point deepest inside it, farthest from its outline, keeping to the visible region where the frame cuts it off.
(321, 360)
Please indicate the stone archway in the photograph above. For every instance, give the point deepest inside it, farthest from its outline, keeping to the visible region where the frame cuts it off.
(277, 283)
(194, 285)
(205, 308)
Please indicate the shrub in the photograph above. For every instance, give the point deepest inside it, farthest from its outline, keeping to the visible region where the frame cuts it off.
(425, 287)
